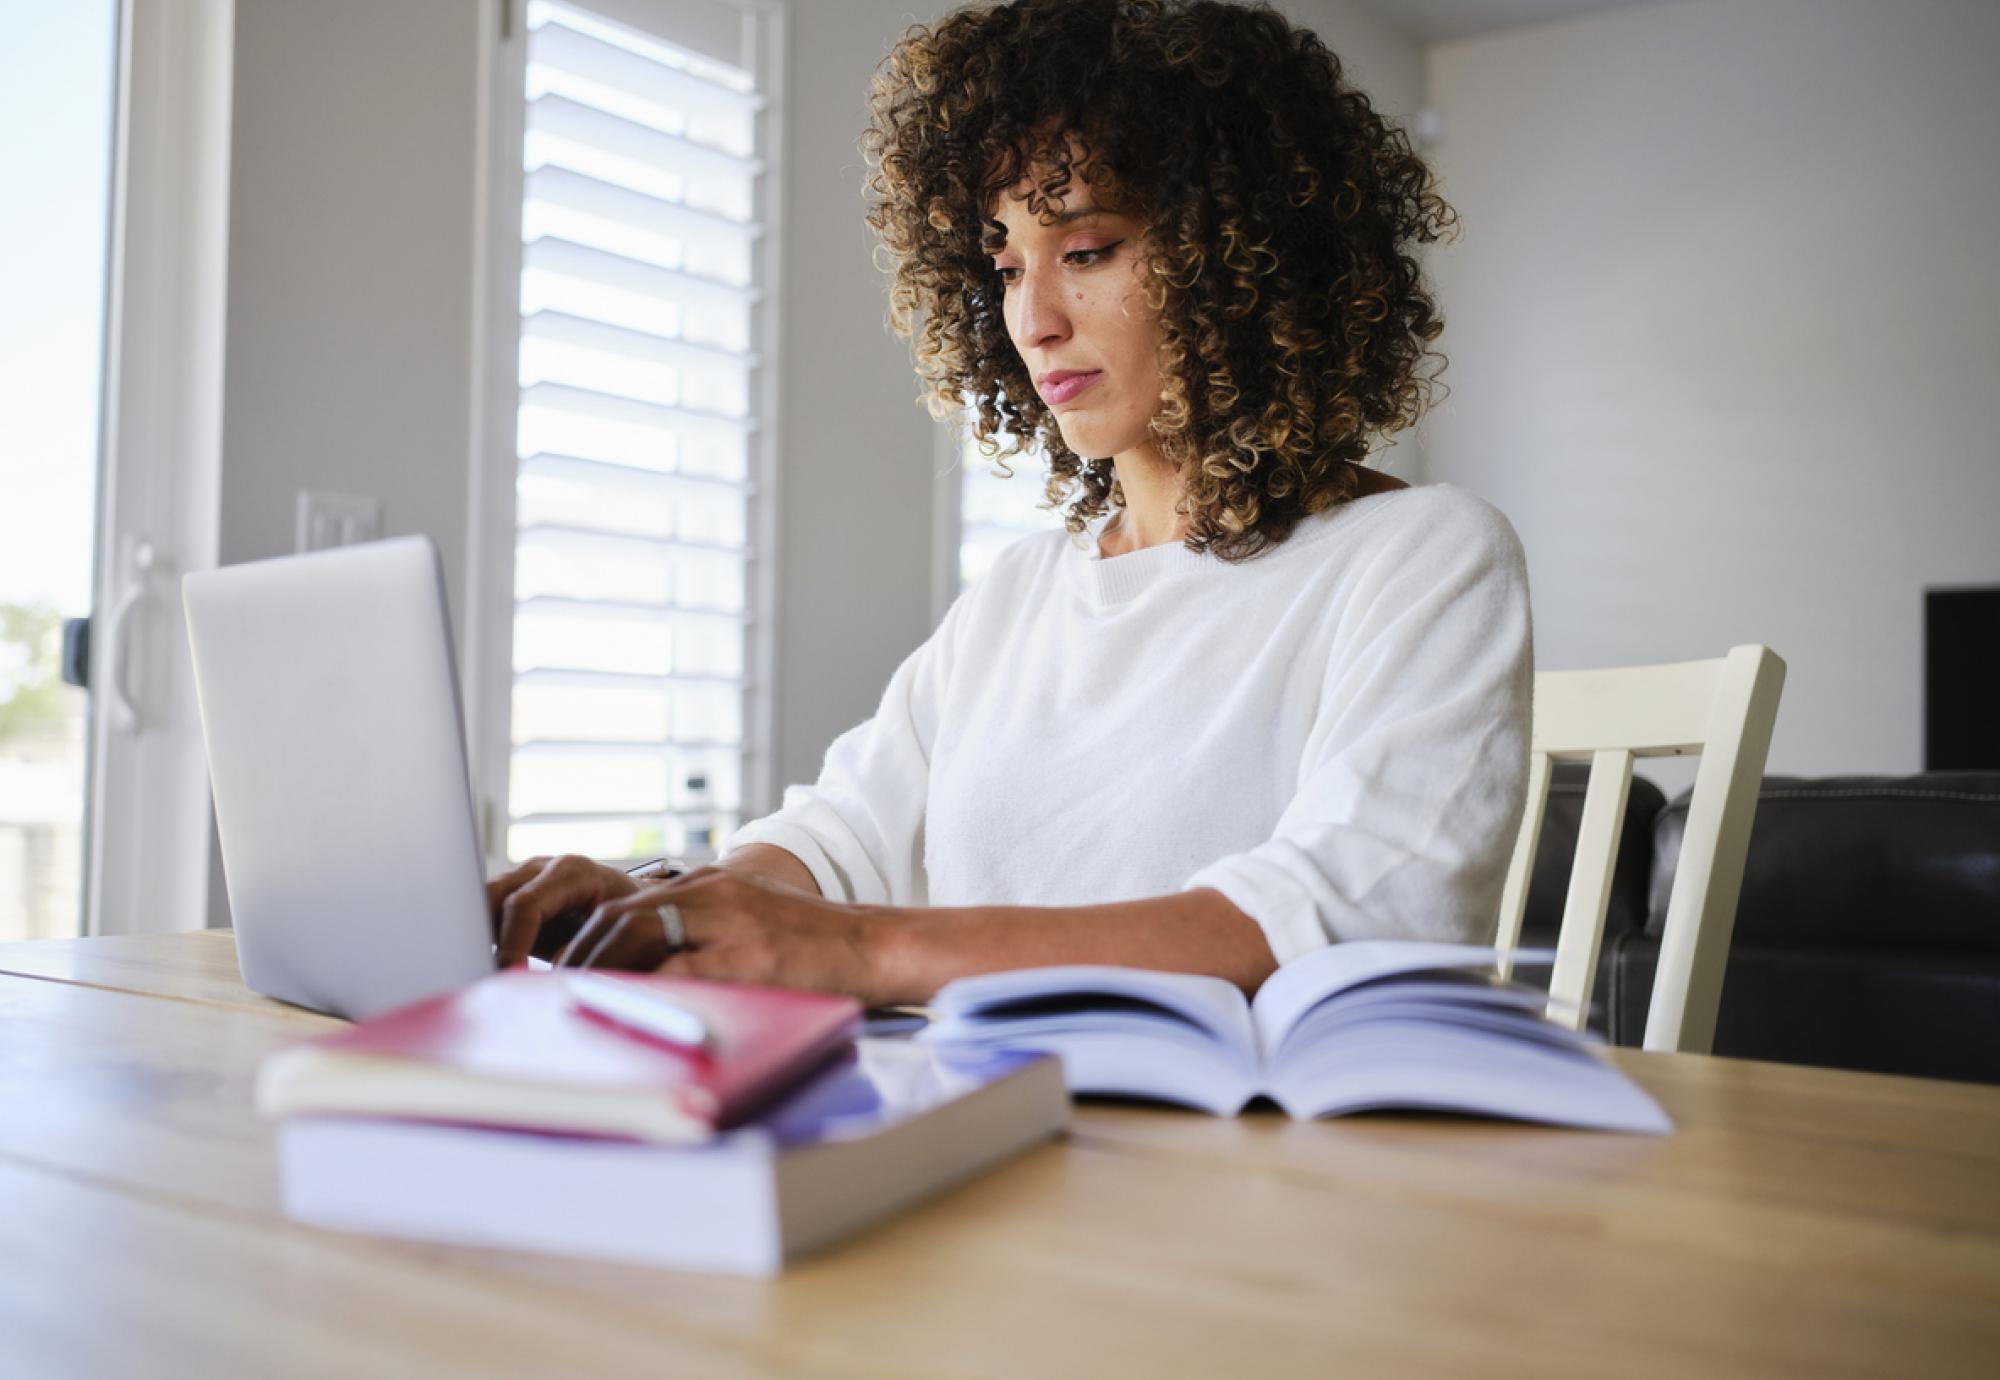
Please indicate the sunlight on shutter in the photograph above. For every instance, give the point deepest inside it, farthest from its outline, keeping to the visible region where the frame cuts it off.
(633, 559)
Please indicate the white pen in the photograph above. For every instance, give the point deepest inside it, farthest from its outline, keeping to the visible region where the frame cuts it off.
(630, 1005)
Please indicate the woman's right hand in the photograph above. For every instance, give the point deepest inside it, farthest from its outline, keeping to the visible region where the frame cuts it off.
(539, 906)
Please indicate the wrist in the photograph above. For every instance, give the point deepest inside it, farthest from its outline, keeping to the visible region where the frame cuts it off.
(890, 939)
(770, 863)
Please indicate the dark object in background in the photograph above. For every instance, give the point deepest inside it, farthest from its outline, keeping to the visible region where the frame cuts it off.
(1867, 935)
(1961, 679)
(76, 653)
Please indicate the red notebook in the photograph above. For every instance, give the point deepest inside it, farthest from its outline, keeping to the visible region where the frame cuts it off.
(515, 1050)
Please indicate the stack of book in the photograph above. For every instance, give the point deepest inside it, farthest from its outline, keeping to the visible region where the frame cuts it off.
(563, 1113)
(542, 1111)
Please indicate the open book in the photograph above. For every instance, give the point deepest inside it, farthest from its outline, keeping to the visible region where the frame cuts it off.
(1353, 1027)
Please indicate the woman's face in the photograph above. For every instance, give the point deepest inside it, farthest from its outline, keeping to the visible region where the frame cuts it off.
(1075, 307)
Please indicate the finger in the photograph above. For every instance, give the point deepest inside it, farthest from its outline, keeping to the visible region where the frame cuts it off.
(704, 914)
(564, 884)
(605, 950)
(651, 942)
(580, 943)
(636, 942)
(617, 936)
(517, 915)
(503, 885)
(550, 932)
(587, 948)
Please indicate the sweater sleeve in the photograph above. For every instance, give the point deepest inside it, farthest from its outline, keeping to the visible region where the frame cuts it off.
(1414, 780)
(860, 827)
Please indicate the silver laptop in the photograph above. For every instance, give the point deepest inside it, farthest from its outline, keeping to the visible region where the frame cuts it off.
(329, 703)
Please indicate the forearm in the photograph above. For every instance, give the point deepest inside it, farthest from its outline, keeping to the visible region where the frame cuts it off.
(915, 951)
(771, 863)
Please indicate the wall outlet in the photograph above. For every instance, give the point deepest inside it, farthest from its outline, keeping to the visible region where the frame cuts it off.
(326, 520)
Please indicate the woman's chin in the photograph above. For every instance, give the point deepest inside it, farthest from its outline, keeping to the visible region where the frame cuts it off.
(1091, 442)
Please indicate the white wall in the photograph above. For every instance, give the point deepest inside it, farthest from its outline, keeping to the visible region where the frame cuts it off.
(1725, 337)
(854, 507)
(349, 357)
(1389, 66)
(1377, 57)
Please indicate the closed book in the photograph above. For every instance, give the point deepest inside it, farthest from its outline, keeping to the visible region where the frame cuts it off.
(1353, 1027)
(517, 1049)
(885, 1126)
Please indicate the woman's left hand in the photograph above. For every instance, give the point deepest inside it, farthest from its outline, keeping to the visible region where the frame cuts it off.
(739, 929)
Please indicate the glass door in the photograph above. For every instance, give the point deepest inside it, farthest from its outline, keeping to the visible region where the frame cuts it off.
(58, 71)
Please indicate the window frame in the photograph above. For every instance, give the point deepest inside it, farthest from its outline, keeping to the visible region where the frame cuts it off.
(151, 864)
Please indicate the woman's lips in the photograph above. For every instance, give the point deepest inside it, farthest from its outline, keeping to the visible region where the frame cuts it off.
(1056, 394)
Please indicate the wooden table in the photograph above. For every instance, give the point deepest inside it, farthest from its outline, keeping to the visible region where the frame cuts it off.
(1801, 1222)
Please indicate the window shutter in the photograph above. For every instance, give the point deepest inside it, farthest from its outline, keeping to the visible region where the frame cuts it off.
(638, 412)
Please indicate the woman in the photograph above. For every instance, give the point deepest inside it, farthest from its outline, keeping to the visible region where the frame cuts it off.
(1256, 699)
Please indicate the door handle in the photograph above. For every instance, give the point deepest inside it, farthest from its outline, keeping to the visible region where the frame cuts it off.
(124, 708)
(76, 653)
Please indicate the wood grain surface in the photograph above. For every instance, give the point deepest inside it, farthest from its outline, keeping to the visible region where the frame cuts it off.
(1802, 1222)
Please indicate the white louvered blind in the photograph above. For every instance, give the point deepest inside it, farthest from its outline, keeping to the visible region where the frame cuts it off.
(637, 427)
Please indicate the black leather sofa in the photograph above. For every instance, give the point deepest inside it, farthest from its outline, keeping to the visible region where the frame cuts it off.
(1867, 935)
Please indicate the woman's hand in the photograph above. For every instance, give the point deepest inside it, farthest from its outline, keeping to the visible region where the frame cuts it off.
(539, 905)
(739, 929)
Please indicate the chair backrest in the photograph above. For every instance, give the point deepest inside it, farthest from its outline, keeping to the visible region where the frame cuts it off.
(1722, 709)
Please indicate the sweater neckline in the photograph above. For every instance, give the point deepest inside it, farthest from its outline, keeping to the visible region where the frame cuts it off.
(1119, 579)
(1107, 581)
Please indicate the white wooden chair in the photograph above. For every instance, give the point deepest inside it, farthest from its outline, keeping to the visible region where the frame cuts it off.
(1722, 709)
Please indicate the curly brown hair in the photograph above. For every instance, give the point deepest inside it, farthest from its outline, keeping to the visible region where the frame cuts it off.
(1280, 212)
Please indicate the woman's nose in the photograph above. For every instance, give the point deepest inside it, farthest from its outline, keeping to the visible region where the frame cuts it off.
(1039, 317)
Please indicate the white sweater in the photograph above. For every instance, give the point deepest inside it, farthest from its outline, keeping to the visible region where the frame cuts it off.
(1333, 734)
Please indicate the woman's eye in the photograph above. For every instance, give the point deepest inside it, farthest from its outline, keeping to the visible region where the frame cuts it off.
(1075, 258)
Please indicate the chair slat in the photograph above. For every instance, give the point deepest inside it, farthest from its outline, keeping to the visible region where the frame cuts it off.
(1701, 916)
(1650, 710)
(1589, 887)
(1521, 867)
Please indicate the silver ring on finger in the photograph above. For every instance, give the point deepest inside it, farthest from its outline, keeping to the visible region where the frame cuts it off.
(675, 927)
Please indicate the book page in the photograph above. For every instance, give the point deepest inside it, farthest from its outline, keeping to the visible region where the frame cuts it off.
(1288, 994)
(1210, 1004)
(1469, 1067)
(1175, 1037)
(1450, 998)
